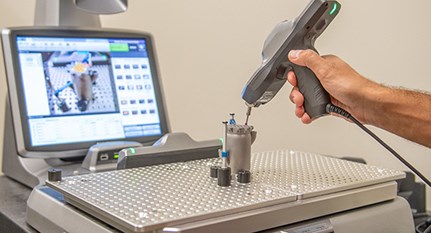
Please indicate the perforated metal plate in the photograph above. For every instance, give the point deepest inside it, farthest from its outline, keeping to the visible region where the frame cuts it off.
(310, 175)
(150, 198)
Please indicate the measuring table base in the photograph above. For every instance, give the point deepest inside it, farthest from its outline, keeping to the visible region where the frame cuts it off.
(286, 187)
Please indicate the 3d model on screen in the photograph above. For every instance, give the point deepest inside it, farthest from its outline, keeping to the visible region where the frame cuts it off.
(71, 79)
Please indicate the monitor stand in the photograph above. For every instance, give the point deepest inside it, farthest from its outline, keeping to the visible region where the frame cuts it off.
(28, 171)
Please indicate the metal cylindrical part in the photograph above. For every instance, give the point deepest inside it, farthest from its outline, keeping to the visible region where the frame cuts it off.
(244, 177)
(54, 174)
(214, 171)
(224, 176)
(238, 143)
(224, 135)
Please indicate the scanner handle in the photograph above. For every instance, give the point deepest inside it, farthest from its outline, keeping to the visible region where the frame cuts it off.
(315, 96)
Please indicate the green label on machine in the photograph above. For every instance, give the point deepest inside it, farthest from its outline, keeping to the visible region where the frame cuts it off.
(119, 47)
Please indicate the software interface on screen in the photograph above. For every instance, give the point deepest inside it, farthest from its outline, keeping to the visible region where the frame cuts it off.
(87, 89)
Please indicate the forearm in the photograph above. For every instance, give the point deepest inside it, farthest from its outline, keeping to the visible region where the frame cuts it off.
(403, 112)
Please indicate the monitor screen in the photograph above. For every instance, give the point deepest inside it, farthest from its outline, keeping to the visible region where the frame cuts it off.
(83, 89)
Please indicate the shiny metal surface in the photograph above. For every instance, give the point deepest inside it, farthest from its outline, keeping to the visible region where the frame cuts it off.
(310, 175)
(151, 198)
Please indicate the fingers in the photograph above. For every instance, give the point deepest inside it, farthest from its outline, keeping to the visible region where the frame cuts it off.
(299, 111)
(310, 59)
(291, 78)
(306, 119)
(296, 97)
(307, 58)
(301, 114)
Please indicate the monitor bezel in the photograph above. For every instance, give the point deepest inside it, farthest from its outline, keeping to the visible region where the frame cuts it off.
(17, 102)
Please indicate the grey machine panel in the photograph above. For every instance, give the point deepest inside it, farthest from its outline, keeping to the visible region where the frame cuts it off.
(161, 197)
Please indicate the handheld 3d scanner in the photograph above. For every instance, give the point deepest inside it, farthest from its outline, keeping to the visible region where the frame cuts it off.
(299, 33)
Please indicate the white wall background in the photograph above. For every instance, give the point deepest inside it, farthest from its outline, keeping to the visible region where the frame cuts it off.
(208, 50)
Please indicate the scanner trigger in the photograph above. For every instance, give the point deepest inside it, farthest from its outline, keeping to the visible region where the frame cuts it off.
(283, 69)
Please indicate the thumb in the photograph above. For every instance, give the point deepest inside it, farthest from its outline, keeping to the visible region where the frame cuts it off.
(308, 58)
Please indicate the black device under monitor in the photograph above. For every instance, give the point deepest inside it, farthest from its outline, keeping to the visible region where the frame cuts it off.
(70, 88)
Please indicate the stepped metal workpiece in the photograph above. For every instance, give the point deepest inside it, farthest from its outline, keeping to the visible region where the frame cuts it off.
(182, 197)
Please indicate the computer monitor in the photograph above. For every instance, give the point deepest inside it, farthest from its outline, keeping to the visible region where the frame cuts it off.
(72, 88)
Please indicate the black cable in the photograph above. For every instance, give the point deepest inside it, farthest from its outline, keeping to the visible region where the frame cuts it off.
(425, 225)
(418, 227)
(330, 108)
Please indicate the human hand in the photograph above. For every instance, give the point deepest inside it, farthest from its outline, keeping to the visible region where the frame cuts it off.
(347, 88)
